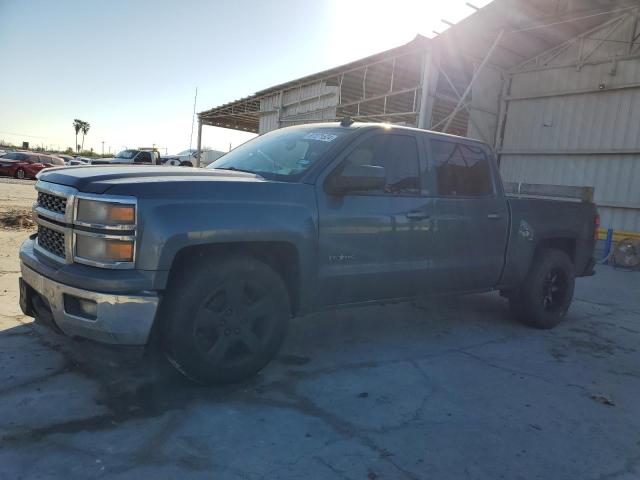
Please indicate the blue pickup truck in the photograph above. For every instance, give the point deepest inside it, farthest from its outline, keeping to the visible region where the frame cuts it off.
(212, 263)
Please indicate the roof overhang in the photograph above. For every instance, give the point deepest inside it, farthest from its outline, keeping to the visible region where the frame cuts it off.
(529, 28)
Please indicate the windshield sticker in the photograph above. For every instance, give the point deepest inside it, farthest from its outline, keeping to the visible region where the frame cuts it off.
(323, 137)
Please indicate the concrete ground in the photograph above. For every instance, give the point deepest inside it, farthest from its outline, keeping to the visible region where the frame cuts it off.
(441, 389)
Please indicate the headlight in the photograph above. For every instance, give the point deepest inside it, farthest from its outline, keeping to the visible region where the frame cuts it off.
(103, 250)
(95, 212)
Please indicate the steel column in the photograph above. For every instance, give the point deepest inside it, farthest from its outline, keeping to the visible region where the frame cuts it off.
(199, 143)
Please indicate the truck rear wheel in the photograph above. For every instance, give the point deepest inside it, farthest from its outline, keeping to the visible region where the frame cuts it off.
(544, 297)
(224, 319)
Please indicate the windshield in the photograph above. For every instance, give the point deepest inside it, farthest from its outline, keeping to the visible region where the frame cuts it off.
(128, 154)
(286, 152)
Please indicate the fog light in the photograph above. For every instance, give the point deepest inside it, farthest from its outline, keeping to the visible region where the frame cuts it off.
(80, 307)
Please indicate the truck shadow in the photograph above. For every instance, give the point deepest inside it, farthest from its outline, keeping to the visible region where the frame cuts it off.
(134, 385)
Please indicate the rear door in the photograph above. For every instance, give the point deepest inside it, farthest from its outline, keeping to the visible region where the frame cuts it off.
(469, 215)
(373, 244)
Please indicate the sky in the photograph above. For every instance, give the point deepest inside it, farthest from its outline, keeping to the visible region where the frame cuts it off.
(130, 67)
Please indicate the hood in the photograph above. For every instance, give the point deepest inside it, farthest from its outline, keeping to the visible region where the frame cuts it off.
(98, 179)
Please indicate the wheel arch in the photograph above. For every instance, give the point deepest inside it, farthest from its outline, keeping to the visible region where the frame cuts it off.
(282, 256)
(562, 243)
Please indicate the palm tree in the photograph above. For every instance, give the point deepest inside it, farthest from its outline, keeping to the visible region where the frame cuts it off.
(85, 129)
(77, 126)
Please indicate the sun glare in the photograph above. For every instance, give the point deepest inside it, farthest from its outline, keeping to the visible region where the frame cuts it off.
(380, 25)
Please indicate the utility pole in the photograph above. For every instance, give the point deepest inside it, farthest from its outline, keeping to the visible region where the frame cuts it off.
(193, 118)
(103, 147)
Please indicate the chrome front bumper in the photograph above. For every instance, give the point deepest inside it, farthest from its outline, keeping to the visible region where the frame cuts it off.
(120, 319)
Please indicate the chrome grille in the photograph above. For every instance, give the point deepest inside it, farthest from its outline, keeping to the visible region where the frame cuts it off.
(53, 203)
(51, 240)
(59, 229)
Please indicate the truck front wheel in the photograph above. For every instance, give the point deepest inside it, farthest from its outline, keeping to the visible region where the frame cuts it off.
(546, 293)
(224, 319)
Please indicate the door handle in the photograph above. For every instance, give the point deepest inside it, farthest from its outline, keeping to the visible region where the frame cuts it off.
(417, 215)
(494, 216)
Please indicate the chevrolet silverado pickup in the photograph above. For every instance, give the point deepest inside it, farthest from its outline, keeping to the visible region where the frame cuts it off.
(212, 263)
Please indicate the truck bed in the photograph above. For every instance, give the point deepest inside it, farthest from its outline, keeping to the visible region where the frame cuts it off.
(536, 220)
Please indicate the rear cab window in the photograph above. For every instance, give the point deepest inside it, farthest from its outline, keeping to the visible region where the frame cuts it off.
(460, 169)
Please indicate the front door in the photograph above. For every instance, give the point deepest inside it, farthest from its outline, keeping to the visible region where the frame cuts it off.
(373, 244)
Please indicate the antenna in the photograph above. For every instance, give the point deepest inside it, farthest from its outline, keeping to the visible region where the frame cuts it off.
(346, 122)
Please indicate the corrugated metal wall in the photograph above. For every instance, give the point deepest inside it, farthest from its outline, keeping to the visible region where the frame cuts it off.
(578, 123)
(309, 103)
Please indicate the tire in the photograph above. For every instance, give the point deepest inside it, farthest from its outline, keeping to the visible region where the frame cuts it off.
(224, 319)
(21, 174)
(186, 163)
(544, 297)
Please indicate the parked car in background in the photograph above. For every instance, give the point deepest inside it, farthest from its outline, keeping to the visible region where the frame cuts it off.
(76, 162)
(27, 164)
(67, 158)
(187, 158)
(137, 157)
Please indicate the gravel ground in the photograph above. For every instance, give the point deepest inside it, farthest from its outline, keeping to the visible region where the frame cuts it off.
(16, 193)
(442, 389)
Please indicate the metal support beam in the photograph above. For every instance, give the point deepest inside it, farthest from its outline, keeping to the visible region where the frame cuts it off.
(566, 93)
(199, 143)
(595, 61)
(426, 101)
(502, 114)
(464, 104)
(543, 58)
(473, 79)
(280, 106)
(633, 31)
(614, 28)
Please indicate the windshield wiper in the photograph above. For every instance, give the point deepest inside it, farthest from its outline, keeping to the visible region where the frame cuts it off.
(235, 169)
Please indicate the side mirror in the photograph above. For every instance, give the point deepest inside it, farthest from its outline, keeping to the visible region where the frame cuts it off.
(357, 178)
